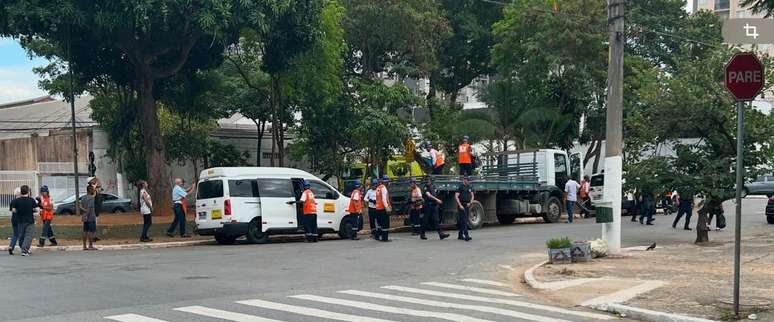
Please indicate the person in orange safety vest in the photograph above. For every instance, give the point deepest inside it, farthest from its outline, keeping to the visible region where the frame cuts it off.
(436, 159)
(465, 157)
(355, 210)
(310, 213)
(46, 215)
(383, 210)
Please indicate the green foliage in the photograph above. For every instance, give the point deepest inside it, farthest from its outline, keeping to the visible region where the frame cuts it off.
(223, 155)
(766, 7)
(559, 243)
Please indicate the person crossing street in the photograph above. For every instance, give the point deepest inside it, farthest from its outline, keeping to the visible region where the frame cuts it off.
(46, 216)
(416, 208)
(355, 209)
(310, 213)
(383, 210)
(465, 157)
(464, 196)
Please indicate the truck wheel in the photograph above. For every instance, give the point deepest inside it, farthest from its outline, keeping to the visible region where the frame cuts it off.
(225, 240)
(345, 228)
(476, 215)
(553, 211)
(506, 219)
(255, 235)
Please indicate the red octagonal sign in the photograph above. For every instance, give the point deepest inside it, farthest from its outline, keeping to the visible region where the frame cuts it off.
(744, 76)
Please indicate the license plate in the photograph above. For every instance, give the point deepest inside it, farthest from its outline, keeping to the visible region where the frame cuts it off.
(202, 215)
(329, 207)
(216, 214)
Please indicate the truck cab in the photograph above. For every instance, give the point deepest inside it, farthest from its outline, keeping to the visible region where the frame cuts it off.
(549, 166)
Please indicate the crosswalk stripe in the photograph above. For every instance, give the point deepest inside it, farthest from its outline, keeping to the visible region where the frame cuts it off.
(484, 282)
(471, 289)
(132, 318)
(390, 309)
(224, 315)
(310, 311)
(499, 301)
(486, 309)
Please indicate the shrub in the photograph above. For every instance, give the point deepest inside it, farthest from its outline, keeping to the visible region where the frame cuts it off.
(556, 243)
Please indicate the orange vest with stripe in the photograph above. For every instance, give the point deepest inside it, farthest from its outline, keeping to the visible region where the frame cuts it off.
(465, 157)
(47, 212)
(355, 202)
(380, 191)
(310, 205)
(439, 161)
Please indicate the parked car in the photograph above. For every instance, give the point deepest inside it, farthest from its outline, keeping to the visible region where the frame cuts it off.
(764, 185)
(110, 204)
(596, 193)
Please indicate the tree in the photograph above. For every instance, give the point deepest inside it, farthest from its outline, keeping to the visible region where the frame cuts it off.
(155, 39)
(766, 7)
(554, 60)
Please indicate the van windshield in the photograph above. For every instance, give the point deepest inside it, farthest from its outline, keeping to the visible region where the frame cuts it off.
(210, 189)
(598, 180)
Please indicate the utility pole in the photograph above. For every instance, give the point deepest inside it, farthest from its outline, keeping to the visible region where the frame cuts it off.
(75, 135)
(611, 232)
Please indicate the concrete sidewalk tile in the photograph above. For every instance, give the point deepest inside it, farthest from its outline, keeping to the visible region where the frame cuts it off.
(645, 314)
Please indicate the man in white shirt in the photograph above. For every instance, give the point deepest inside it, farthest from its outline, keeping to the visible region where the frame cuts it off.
(570, 197)
(370, 197)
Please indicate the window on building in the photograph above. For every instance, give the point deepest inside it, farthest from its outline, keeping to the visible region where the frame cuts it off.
(268, 155)
(722, 5)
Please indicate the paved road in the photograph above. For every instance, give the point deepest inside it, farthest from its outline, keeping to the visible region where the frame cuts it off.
(333, 280)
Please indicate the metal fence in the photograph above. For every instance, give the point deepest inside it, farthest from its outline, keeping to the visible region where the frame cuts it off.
(10, 180)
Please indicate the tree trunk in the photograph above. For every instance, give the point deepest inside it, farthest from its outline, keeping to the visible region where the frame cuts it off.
(274, 116)
(153, 148)
(260, 126)
(702, 224)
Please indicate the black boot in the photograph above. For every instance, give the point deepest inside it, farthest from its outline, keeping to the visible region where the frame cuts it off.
(53, 242)
(459, 236)
(41, 242)
(443, 236)
(422, 236)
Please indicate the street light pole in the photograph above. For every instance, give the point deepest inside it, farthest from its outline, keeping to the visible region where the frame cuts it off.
(611, 232)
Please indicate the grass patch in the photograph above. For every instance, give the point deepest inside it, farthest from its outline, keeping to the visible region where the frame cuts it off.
(727, 314)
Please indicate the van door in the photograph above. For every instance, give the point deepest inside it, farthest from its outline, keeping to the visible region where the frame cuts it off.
(245, 204)
(209, 203)
(298, 189)
(278, 203)
(327, 205)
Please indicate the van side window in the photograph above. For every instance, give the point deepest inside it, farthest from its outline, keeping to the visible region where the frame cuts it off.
(245, 188)
(275, 188)
(322, 191)
(210, 189)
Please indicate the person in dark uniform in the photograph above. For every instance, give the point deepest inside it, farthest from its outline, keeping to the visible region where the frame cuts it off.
(648, 207)
(432, 204)
(464, 196)
(685, 207)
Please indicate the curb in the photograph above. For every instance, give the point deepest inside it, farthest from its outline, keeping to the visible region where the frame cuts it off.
(123, 247)
(620, 309)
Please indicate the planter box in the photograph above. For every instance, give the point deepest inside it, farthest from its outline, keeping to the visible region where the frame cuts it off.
(581, 252)
(560, 255)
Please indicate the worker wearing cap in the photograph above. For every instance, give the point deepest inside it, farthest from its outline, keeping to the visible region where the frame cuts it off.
(355, 209)
(431, 209)
(465, 157)
(370, 197)
(415, 211)
(464, 196)
(436, 159)
(310, 213)
(383, 210)
(46, 215)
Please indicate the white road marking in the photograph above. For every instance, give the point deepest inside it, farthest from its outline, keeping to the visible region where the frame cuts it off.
(310, 311)
(508, 267)
(499, 301)
(471, 289)
(478, 308)
(558, 285)
(390, 309)
(224, 315)
(484, 282)
(132, 318)
(626, 294)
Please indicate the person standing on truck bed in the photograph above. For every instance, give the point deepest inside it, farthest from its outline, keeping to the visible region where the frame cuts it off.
(355, 209)
(310, 213)
(416, 208)
(383, 210)
(465, 157)
(370, 197)
(431, 212)
(464, 196)
(570, 197)
(436, 159)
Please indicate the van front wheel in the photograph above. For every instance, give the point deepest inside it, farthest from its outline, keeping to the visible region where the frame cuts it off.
(255, 234)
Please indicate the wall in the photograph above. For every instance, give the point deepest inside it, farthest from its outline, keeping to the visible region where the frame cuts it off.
(23, 154)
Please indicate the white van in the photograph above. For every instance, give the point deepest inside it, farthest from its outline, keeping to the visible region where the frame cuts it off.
(260, 201)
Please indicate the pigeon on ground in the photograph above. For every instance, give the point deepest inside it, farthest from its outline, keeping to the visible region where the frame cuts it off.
(651, 247)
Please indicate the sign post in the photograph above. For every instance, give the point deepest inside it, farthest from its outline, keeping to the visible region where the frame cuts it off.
(744, 80)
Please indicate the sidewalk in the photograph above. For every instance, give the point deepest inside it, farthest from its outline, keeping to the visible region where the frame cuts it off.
(691, 282)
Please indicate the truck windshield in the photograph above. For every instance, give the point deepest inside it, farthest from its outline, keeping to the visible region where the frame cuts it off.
(210, 189)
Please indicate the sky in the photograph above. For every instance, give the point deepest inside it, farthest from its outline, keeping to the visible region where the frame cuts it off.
(17, 81)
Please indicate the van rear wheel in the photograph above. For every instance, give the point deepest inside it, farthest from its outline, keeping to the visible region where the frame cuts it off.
(225, 240)
(255, 234)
